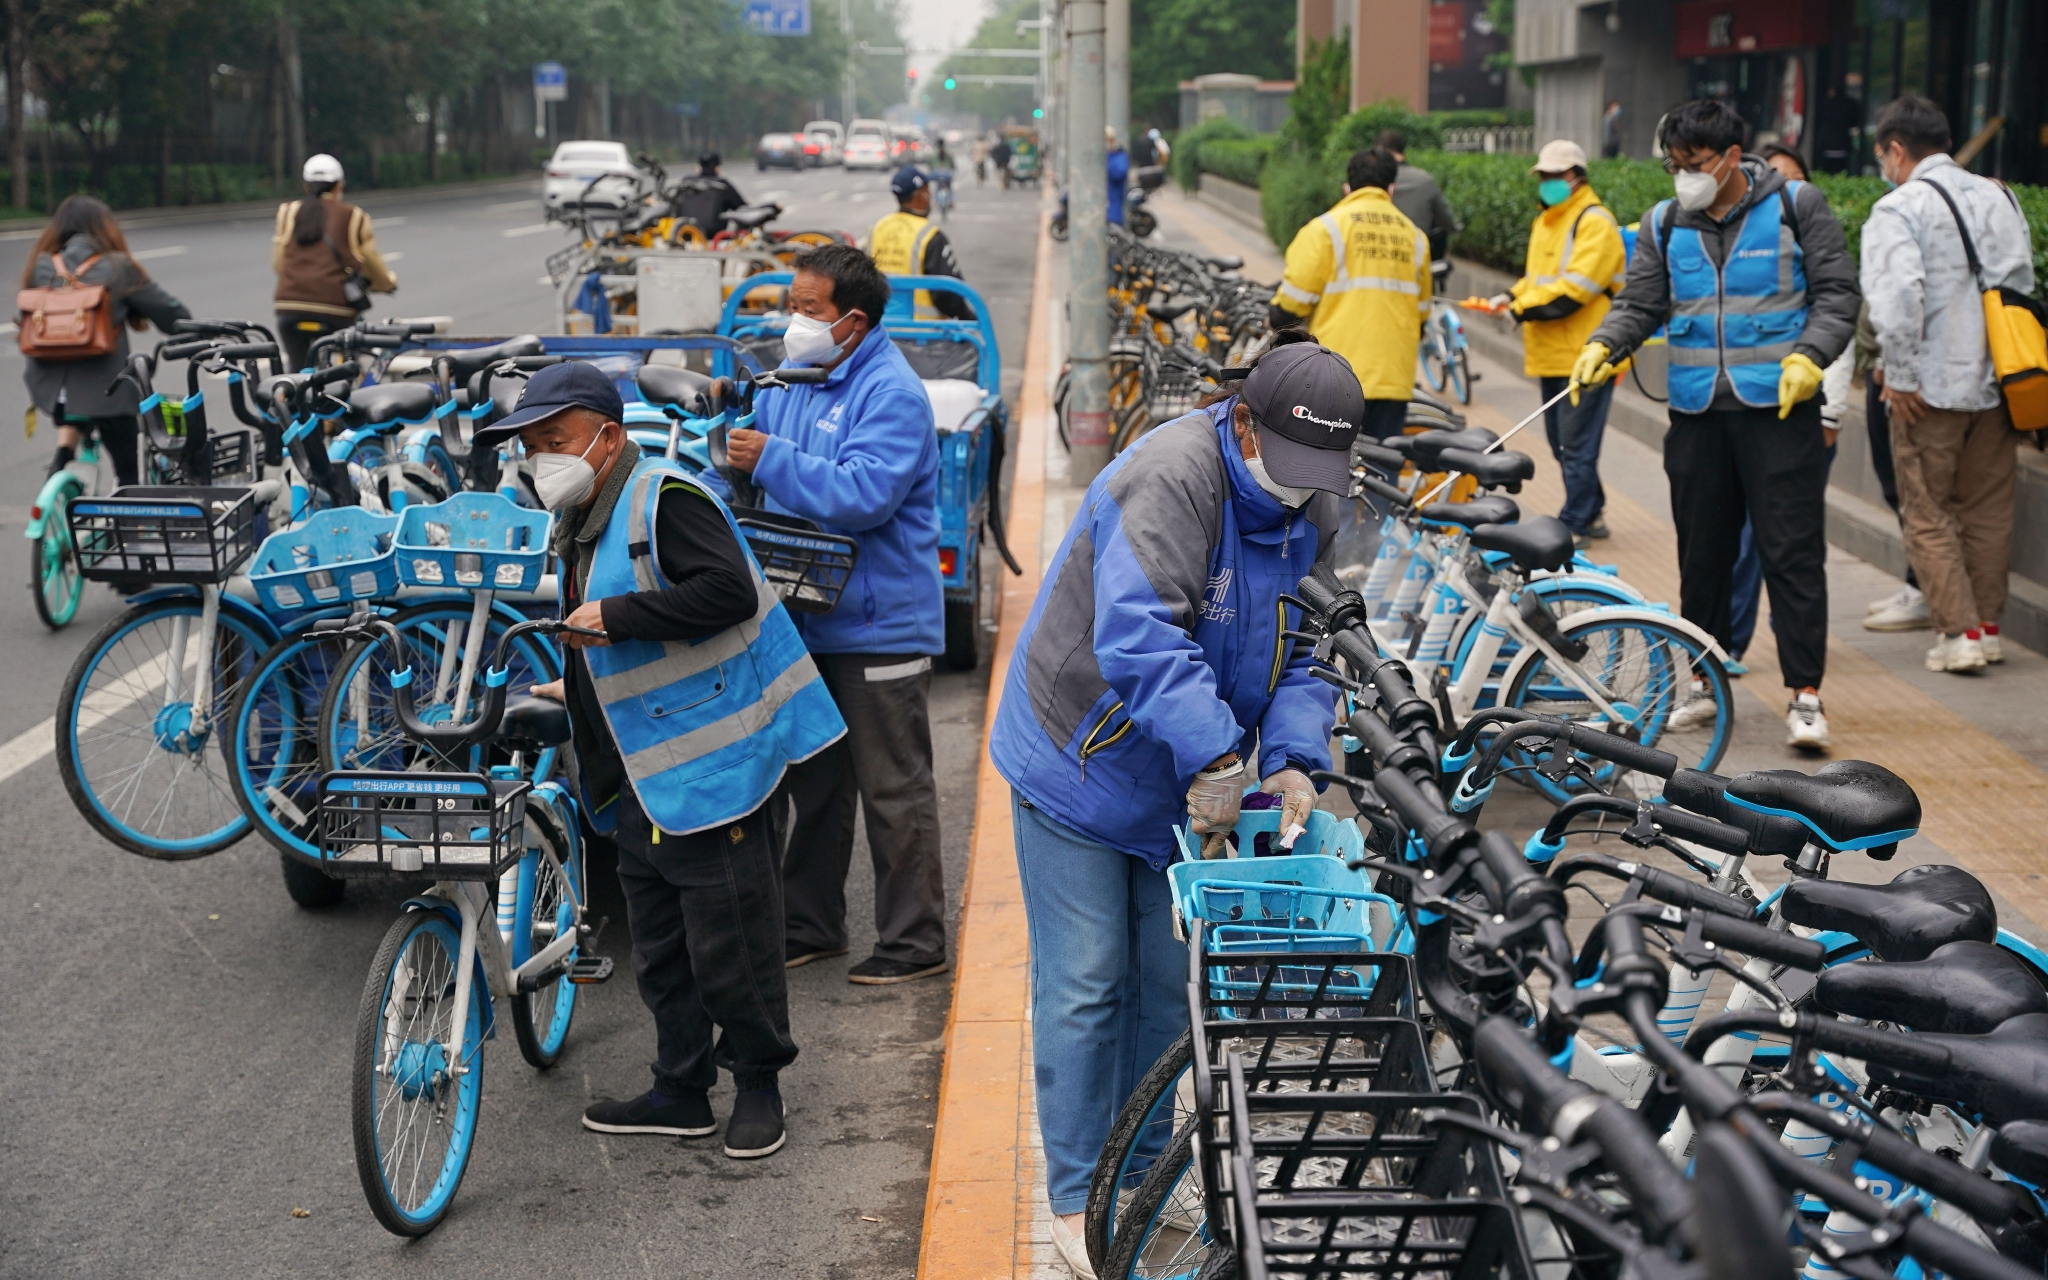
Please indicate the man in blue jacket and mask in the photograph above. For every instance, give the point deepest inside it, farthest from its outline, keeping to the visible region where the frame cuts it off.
(858, 455)
(1152, 684)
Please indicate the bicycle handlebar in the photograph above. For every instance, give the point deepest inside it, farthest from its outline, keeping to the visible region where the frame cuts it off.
(185, 350)
(246, 351)
(1975, 1194)
(1657, 884)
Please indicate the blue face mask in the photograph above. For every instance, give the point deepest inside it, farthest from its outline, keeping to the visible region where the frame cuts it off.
(1553, 191)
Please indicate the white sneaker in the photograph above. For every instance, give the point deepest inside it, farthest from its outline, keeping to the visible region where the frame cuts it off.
(1994, 651)
(1073, 1249)
(1696, 712)
(1806, 725)
(1904, 611)
(1956, 653)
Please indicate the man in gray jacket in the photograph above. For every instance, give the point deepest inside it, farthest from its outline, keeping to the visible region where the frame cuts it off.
(1952, 444)
(1418, 197)
(1754, 277)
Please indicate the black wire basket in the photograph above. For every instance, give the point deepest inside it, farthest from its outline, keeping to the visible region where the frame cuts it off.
(441, 826)
(809, 568)
(164, 533)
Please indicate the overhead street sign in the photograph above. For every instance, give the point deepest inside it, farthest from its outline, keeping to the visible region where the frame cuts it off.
(777, 17)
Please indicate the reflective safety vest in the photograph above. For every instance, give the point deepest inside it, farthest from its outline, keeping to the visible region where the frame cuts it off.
(1742, 317)
(705, 728)
(1359, 275)
(897, 245)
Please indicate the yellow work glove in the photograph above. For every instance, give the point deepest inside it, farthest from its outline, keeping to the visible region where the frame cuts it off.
(1214, 800)
(1798, 379)
(1591, 368)
(1297, 799)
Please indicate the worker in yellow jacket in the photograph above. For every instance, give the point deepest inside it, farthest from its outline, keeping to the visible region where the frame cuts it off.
(1576, 257)
(905, 243)
(1359, 276)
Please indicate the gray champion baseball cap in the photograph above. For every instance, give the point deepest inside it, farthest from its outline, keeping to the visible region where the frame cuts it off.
(1308, 406)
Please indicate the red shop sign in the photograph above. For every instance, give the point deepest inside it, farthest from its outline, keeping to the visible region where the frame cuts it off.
(1447, 34)
(1723, 28)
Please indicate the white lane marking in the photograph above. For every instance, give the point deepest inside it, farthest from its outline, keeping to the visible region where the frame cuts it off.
(769, 197)
(513, 233)
(391, 222)
(168, 251)
(509, 205)
(394, 255)
(6, 329)
(833, 194)
(100, 705)
(549, 281)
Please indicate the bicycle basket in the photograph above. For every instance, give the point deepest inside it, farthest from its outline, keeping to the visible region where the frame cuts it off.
(1258, 829)
(808, 567)
(336, 557)
(1282, 894)
(445, 826)
(475, 542)
(164, 533)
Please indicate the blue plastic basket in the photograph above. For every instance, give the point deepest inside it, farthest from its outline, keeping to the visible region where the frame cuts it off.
(1327, 835)
(474, 542)
(1303, 902)
(337, 557)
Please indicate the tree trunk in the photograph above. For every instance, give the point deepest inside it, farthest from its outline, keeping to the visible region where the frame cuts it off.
(17, 105)
(278, 173)
(434, 114)
(163, 171)
(294, 86)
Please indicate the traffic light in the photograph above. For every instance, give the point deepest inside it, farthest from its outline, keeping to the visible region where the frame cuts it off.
(913, 75)
(1038, 113)
(949, 82)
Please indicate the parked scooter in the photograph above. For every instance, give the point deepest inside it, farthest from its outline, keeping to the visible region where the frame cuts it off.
(1139, 220)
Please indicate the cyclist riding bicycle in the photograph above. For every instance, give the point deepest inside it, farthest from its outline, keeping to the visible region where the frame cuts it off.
(905, 243)
(324, 252)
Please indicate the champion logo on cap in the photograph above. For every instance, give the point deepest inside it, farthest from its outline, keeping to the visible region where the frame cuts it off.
(1301, 411)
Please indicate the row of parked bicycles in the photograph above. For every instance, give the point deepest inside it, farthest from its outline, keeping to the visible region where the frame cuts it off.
(1417, 1048)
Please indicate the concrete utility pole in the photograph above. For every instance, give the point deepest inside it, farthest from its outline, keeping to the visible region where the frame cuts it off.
(294, 90)
(1116, 67)
(1087, 222)
(17, 104)
(846, 96)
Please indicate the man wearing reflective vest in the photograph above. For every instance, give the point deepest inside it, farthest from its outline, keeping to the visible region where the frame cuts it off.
(1359, 277)
(685, 716)
(1753, 277)
(905, 243)
(1575, 263)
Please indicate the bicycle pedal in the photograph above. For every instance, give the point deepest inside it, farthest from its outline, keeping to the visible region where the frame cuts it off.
(590, 970)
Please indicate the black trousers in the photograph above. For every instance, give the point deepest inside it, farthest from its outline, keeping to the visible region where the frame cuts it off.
(1879, 418)
(118, 437)
(885, 764)
(705, 911)
(1722, 465)
(1383, 418)
(298, 330)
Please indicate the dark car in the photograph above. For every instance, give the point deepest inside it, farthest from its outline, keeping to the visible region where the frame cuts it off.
(780, 151)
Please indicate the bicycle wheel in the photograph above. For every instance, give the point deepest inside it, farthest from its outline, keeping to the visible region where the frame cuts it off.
(1563, 600)
(1460, 370)
(413, 1111)
(1166, 1234)
(1160, 1106)
(53, 577)
(137, 758)
(546, 909)
(358, 726)
(1669, 690)
(276, 757)
(1433, 366)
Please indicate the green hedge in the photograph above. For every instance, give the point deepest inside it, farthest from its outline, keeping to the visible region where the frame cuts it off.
(1188, 145)
(1238, 159)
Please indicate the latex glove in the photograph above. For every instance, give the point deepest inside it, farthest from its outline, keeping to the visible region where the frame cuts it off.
(1591, 369)
(1297, 799)
(1214, 799)
(1798, 378)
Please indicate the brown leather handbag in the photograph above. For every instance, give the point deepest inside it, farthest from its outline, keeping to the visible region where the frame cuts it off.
(71, 321)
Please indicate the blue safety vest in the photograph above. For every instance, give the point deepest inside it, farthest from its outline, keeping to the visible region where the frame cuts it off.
(706, 729)
(1743, 316)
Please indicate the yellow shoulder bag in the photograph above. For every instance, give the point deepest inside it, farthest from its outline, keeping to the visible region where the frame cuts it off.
(2016, 327)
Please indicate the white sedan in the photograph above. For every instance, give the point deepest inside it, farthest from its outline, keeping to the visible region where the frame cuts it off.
(574, 164)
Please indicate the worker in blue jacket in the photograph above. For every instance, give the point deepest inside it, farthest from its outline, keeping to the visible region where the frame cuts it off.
(858, 454)
(1152, 684)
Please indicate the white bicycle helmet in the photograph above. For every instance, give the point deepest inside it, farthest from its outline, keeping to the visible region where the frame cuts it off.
(322, 168)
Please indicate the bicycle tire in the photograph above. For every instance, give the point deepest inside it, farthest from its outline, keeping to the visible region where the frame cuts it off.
(276, 759)
(1461, 376)
(54, 580)
(309, 887)
(1172, 1188)
(190, 821)
(541, 1017)
(1114, 1175)
(383, 1073)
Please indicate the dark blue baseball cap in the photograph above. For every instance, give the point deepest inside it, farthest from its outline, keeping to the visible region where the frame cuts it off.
(909, 180)
(570, 385)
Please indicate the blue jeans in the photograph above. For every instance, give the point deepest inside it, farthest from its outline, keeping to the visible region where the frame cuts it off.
(1575, 433)
(1108, 988)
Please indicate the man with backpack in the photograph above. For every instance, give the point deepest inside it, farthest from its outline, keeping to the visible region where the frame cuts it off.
(1753, 276)
(1930, 249)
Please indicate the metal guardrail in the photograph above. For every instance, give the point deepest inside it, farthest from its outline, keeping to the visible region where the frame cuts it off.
(1502, 140)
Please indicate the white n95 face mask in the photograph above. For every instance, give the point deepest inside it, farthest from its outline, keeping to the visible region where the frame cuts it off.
(808, 341)
(1695, 189)
(1285, 494)
(564, 480)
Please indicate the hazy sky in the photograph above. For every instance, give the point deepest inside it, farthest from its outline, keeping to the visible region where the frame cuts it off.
(939, 24)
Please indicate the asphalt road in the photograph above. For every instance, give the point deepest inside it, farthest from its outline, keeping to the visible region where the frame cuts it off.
(176, 1077)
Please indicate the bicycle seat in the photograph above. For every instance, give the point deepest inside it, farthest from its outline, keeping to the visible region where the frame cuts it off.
(1487, 509)
(1229, 262)
(1427, 447)
(1542, 543)
(752, 216)
(470, 361)
(2021, 1149)
(1168, 312)
(691, 392)
(529, 718)
(1920, 911)
(1492, 470)
(392, 402)
(2002, 1075)
(1850, 804)
(1770, 835)
(1964, 988)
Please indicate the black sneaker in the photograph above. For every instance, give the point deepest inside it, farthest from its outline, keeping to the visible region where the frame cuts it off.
(755, 1129)
(686, 1117)
(1598, 529)
(877, 972)
(796, 954)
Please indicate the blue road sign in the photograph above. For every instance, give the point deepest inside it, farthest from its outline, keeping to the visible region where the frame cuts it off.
(549, 75)
(778, 17)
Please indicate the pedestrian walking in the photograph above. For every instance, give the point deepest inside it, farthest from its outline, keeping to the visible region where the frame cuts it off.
(1906, 608)
(981, 150)
(1118, 161)
(1359, 277)
(1000, 154)
(1574, 267)
(1416, 194)
(324, 252)
(1953, 447)
(82, 245)
(1755, 315)
(858, 455)
(654, 561)
(1610, 131)
(1152, 683)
